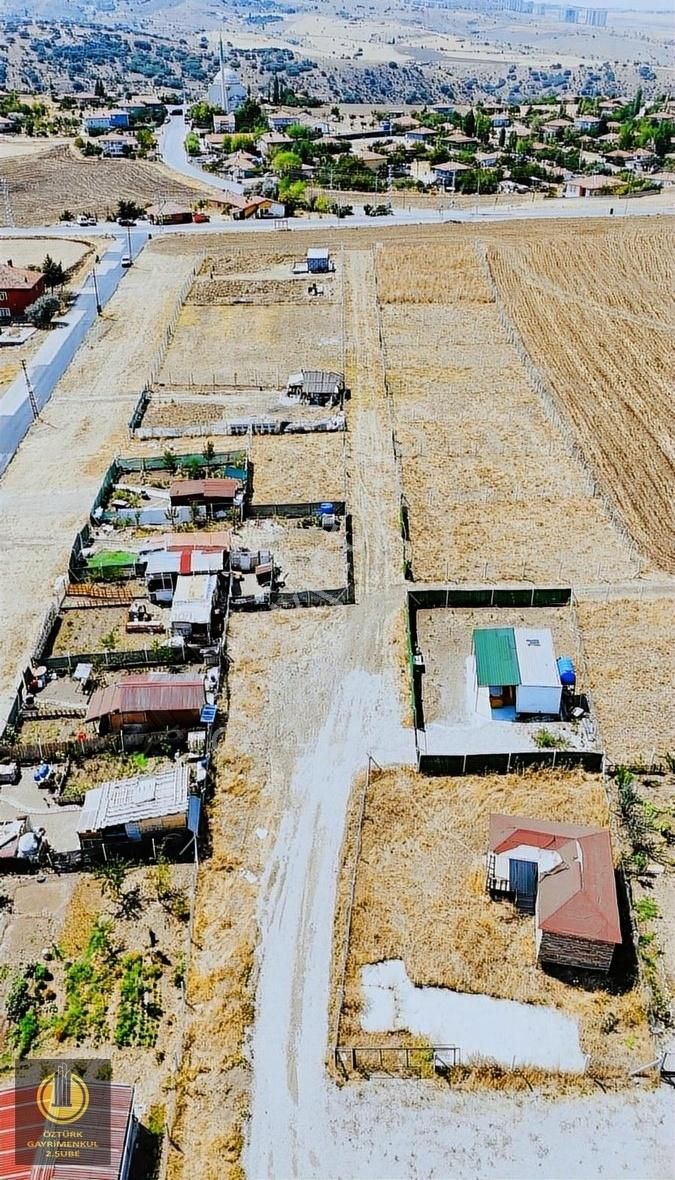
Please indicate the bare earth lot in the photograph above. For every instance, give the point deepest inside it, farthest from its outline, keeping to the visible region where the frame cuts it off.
(310, 559)
(292, 468)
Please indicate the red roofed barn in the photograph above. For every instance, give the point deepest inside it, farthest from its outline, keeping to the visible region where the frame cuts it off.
(18, 289)
(148, 701)
(564, 874)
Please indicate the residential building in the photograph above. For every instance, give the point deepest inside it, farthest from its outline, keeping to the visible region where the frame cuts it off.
(500, 120)
(590, 186)
(318, 260)
(148, 701)
(116, 146)
(241, 165)
(488, 159)
(19, 288)
(224, 124)
(564, 875)
(134, 810)
(423, 135)
(555, 129)
(587, 122)
(169, 213)
(446, 174)
(272, 142)
(106, 121)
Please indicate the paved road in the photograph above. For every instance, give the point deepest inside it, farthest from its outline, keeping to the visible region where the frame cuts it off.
(171, 142)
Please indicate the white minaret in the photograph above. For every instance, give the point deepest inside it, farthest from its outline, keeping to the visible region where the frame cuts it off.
(223, 91)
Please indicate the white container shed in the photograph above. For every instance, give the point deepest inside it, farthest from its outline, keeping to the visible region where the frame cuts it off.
(540, 689)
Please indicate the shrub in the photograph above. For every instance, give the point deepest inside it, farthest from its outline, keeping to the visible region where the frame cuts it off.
(40, 313)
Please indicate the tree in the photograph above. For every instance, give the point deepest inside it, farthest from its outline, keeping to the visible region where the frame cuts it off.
(292, 193)
(99, 89)
(145, 139)
(128, 210)
(192, 144)
(66, 215)
(40, 313)
(285, 164)
(470, 124)
(249, 117)
(55, 275)
(502, 136)
(663, 133)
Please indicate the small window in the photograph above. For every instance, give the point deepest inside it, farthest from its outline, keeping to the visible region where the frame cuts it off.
(5, 313)
(3, 296)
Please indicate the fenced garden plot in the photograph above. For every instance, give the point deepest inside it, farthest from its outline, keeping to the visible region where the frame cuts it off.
(309, 558)
(104, 630)
(219, 410)
(293, 468)
(210, 292)
(421, 850)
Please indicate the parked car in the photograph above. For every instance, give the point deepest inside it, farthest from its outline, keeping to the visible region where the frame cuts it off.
(199, 218)
(126, 221)
(127, 261)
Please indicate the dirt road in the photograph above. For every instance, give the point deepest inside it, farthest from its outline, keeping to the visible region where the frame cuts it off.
(47, 491)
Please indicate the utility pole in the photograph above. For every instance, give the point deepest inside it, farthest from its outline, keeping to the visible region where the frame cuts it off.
(31, 393)
(98, 301)
(6, 202)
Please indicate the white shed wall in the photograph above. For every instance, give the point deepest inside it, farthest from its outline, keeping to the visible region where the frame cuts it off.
(538, 698)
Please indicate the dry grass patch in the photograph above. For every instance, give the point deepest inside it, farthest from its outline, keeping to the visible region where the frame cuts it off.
(288, 469)
(429, 273)
(628, 645)
(420, 897)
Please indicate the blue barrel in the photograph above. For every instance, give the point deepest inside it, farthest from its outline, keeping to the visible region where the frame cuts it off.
(325, 510)
(566, 671)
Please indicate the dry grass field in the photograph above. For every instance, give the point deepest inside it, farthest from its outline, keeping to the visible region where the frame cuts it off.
(252, 345)
(42, 185)
(628, 646)
(597, 316)
(485, 470)
(291, 468)
(420, 897)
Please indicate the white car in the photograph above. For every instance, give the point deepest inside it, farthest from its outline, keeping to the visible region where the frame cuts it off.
(127, 261)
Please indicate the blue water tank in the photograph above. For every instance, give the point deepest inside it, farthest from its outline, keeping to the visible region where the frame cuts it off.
(566, 671)
(325, 510)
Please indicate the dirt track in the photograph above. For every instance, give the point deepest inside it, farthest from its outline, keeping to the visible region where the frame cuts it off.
(47, 491)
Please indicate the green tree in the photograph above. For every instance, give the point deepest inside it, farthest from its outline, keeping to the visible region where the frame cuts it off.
(469, 124)
(145, 140)
(663, 133)
(285, 164)
(292, 193)
(249, 117)
(55, 275)
(192, 143)
(99, 88)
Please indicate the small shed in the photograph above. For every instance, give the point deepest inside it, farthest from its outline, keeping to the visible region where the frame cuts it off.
(218, 493)
(148, 701)
(318, 260)
(518, 667)
(194, 607)
(133, 809)
(319, 387)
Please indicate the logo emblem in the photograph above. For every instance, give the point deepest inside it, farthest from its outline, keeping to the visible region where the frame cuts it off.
(62, 1097)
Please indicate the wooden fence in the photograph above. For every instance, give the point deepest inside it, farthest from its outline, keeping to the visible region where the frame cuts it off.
(396, 1060)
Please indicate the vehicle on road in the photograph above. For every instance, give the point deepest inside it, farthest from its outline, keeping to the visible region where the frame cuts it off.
(199, 218)
(127, 261)
(126, 221)
(86, 219)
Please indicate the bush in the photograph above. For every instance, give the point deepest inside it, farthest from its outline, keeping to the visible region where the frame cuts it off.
(41, 312)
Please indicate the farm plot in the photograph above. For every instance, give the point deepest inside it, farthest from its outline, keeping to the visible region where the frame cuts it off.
(218, 408)
(597, 315)
(423, 843)
(629, 649)
(290, 469)
(95, 630)
(249, 345)
(42, 186)
(454, 721)
(291, 288)
(309, 558)
(493, 491)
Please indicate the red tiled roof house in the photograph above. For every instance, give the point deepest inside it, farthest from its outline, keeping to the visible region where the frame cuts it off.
(564, 874)
(18, 289)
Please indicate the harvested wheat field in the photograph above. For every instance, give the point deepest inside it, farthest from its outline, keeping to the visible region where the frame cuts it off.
(249, 345)
(493, 490)
(420, 897)
(628, 646)
(597, 316)
(291, 468)
(42, 186)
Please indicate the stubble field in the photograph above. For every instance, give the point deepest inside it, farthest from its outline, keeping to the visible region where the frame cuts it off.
(597, 315)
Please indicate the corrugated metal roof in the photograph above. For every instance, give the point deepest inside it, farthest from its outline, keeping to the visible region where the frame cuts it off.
(116, 1104)
(321, 381)
(193, 599)
(203, 489)
(150, 692)
(536, 657)
(496, 659)
(129, 800)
